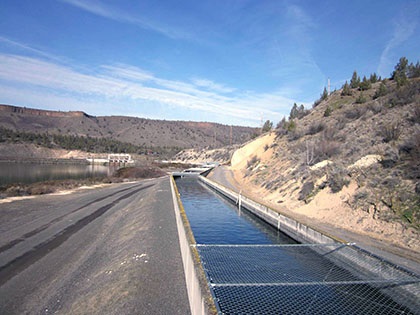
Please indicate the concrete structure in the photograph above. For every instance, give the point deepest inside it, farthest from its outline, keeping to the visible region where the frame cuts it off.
(194, 171)
(359, 262)
(201, 300)
(113, 158)
(119, 158)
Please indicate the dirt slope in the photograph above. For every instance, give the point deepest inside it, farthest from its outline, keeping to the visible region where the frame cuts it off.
(355, 167)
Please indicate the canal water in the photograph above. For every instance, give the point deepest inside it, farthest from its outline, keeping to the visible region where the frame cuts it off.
(35, 172)
(254, 269)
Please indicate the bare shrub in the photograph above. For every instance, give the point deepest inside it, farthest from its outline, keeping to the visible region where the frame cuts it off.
(326, 149)
(416, 114)
(41, 189)
(360, 195)
(337, 178)
(390, 132)
(375, 107)
(223, 155)
(410, 154)
(254, 160)
(355, 112)
(331, 134)
(273, 184)
(341, 122)
(294, 135)
(306, 191)
(315, 128)
(320, 150)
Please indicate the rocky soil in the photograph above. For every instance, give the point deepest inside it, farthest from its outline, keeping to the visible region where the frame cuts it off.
(354, 164)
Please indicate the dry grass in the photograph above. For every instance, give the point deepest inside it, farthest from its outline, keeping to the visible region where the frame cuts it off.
(47, 187)
(387, 126)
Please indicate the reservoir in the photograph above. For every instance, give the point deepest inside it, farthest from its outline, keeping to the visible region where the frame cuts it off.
(35, 172)
(252, 268)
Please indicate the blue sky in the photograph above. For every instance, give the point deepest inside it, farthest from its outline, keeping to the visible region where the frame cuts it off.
(228, 61)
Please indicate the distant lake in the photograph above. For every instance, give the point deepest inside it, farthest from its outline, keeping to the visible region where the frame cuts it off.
(34, 172)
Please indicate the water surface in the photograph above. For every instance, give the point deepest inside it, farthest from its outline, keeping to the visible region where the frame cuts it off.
(215, 220)
(251, 276)
(35, 172)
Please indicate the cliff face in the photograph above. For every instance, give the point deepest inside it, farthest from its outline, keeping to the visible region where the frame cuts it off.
(139, 131)
(40, 112)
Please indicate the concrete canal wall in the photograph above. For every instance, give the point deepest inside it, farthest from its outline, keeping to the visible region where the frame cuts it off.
(403, 285)
(201, 300)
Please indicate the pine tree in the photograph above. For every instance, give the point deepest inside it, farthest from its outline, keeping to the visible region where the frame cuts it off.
(327, 111)
(355, 80)
(361, 99)
(324, 94)
(282, 124)
(414, 70)
(373, 78)
(400, 72)
(365, 84)
(346, 90)
(293, 112)
(268, 125)
(381, 91)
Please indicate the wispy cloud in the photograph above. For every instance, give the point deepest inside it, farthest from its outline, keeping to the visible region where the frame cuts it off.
(116, 14)
(212, 86)
(404, 27)
(300, 25)
(28, 48)
(118, 84)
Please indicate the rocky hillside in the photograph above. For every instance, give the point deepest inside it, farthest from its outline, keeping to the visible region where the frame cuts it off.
(138, 131)
(352, 161)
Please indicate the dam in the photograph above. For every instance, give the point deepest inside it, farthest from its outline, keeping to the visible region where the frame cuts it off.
(253, 267)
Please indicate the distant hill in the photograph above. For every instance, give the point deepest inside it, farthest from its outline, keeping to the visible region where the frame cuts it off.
(142, 132)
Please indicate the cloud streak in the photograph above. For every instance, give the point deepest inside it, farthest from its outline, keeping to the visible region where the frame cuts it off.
(125, 84)
(28, 48)
(100, 9)
(404, 27)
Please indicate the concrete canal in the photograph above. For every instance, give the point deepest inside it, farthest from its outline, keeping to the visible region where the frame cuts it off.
(252, 268)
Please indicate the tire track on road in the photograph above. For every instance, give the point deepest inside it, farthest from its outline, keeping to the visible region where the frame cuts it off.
(22, 262)
(47, 225)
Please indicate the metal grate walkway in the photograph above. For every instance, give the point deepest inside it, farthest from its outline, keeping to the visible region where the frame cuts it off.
(305, 279)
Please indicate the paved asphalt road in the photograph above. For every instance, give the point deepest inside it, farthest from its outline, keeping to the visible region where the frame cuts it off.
(111, 250)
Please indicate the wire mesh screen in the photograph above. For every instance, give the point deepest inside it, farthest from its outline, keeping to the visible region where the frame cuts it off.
(305, 279)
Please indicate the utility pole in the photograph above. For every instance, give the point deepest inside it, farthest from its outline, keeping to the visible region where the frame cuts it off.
(230, 135)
